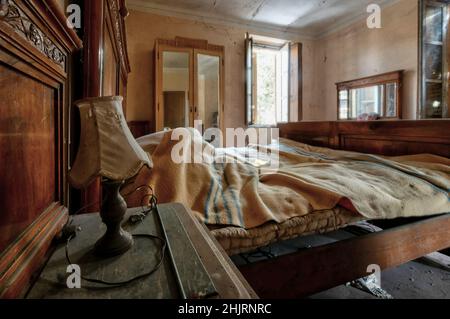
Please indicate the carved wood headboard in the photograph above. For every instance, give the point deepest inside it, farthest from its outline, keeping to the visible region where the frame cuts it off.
(35, 62)
(390, 138)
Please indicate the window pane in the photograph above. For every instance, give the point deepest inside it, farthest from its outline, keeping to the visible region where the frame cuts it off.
(433, 21)
(433, 62)
(391, 100)
(271, 78)
(433, 103)
(266, 87)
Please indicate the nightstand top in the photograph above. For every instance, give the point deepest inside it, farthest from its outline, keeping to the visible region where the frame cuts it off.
(193, 262)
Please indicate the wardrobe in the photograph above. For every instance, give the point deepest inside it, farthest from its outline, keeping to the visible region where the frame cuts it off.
(37, 63)
(189, 84)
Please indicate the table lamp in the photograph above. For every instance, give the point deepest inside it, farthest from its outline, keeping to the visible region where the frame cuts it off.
(107, 150)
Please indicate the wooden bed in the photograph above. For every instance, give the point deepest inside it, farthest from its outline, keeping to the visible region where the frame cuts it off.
(317, 269)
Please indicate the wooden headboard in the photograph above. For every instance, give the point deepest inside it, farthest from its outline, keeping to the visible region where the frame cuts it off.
(36, 50)
(390, 138)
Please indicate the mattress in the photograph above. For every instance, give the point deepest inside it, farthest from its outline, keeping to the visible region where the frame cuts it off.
(236, 240)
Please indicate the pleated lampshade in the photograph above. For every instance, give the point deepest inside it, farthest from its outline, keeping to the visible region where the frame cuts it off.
(107, 147)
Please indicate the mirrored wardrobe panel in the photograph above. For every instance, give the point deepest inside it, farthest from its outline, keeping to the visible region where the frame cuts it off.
(176, 89)
(208, 91)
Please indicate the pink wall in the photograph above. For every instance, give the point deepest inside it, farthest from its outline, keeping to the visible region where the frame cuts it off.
(358, 51)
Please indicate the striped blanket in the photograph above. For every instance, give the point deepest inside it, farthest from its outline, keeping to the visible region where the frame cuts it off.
(246, 193)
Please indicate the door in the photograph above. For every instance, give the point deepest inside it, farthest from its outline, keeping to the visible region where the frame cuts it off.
(174, 88)
(208, 89)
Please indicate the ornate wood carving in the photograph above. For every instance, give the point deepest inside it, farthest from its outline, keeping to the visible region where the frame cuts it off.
(18, 20)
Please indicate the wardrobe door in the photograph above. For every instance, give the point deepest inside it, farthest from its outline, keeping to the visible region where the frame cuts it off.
(174, 88)
(208, 87)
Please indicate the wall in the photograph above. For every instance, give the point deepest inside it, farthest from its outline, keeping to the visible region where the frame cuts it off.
(350, 53)
(144, 28)
(357, 52)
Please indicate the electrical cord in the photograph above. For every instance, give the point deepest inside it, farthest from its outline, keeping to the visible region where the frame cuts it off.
(137, 218)
(126, 282)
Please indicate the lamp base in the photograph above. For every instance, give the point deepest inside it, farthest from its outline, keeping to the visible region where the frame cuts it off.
(116, 241)
(114, 244)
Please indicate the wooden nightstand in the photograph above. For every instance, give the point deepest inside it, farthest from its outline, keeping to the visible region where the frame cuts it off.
(194, 262)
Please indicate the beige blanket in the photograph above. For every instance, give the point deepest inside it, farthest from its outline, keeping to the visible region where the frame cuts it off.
(309, 179)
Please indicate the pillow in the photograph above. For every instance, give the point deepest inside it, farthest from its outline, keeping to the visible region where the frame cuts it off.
(369, 117)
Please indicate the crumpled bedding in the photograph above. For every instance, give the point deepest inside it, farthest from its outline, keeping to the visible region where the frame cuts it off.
(248, 205)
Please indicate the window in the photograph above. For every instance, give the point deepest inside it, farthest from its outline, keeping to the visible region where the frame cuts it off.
(269, 81)
(378, 95)
(434, 91)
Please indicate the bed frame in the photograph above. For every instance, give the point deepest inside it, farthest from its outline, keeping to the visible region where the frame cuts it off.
(313, 270)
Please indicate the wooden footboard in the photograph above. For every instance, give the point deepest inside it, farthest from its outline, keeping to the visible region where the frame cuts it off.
(317, 269)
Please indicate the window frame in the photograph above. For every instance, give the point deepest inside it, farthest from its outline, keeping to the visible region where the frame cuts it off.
(295, 84)
(376, 80)
(277, 50)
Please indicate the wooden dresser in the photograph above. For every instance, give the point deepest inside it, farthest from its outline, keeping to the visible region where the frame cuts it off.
(36, 60)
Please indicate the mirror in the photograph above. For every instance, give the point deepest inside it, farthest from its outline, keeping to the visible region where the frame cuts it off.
(176, 87)
(373, 97)
(208, 90)
(366, 100)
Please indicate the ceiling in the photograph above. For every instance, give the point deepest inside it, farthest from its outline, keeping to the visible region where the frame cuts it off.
(305, 17)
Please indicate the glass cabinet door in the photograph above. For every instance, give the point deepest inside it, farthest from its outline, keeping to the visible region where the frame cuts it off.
(435, 82)
(208, 90)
